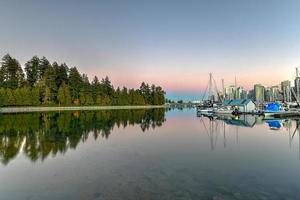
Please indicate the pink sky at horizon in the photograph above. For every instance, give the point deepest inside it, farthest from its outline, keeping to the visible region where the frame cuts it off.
(189, 82)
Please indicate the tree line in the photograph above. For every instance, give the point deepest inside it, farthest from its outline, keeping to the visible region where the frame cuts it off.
(43, 83)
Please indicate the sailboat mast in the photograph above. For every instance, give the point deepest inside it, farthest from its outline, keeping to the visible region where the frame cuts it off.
(223, 89)
(235, 88)
(210, 87)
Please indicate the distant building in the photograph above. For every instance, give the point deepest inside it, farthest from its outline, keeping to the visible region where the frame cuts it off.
(286, 91)
(244, 94)
(267, 94)
(239, 93)
(297, 84)
(297, 87)
(233, 92)
(230, 92)
(243, 105)
(250, 94)
(259, 93)
(275, 93)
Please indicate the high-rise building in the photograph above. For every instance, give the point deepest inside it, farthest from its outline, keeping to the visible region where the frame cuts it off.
(230, 92)
(259, 93)
(286, 91)
(275, 93)
(250, 94)
(267, 94)
(233, 92)
(297, 85)
(238, 93)
(244, 94)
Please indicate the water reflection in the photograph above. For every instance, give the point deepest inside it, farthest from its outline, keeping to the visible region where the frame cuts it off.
(274, 124)
(216, 125)
(39, 135)
(186, 158)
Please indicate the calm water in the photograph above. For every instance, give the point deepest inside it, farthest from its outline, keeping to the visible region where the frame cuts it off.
(147, 154)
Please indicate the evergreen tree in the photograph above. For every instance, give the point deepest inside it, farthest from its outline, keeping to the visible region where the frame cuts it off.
(75, 83)
(12, 72)
(18, 97)
(107, 88)
(124, 98)
(103, 100)
(10, 97)
(63, 95)
(1, 77)
(26, 96)
(146, 92)
(89, 100)
(31, 69)
(35, 96)
(160, 96)
(82, 98)
(117, 97)
(44, 65)
(49, 79)
(136, 98)
(3, 97)
(47, 96)
(61, 73)
(96, 88)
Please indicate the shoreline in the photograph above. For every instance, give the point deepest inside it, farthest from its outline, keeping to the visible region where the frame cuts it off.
(4, 110)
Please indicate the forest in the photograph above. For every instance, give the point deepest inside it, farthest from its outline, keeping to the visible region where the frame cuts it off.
(41, 83)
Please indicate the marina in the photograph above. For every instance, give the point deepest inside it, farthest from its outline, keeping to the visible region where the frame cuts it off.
(215, 102)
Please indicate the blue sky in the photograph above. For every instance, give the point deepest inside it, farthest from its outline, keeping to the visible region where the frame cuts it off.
(174, 44)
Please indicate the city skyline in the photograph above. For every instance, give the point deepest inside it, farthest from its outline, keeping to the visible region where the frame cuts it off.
(172, 44)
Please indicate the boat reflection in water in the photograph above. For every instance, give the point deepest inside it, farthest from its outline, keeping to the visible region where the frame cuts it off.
(274, 124)
(216, 125)
(39, 135)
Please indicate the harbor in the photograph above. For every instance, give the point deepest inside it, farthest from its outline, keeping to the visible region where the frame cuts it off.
(234, 101)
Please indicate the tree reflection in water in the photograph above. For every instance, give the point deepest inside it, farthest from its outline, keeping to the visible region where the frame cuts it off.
(39, 135)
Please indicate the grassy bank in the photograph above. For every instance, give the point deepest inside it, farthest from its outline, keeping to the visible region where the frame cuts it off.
(72, 108)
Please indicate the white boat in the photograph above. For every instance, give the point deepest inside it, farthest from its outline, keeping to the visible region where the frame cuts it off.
(205, 111)
(223, 111)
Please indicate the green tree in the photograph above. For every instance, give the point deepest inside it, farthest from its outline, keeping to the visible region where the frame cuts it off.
(1, 77)
(61, 73)
(35, 96)
(89, 100)
(124, 98)
(44, 65)
(107, 88)
(146, 93)
(3, 97)
(96, 88)
(103, 100)
(10, 97)
(136, 98)
(31, 69)
(12, 72)
(63, 95)
(47, 97)
(75, 83)
(49, 79)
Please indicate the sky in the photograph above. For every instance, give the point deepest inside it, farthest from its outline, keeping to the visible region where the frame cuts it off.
(174, 44)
